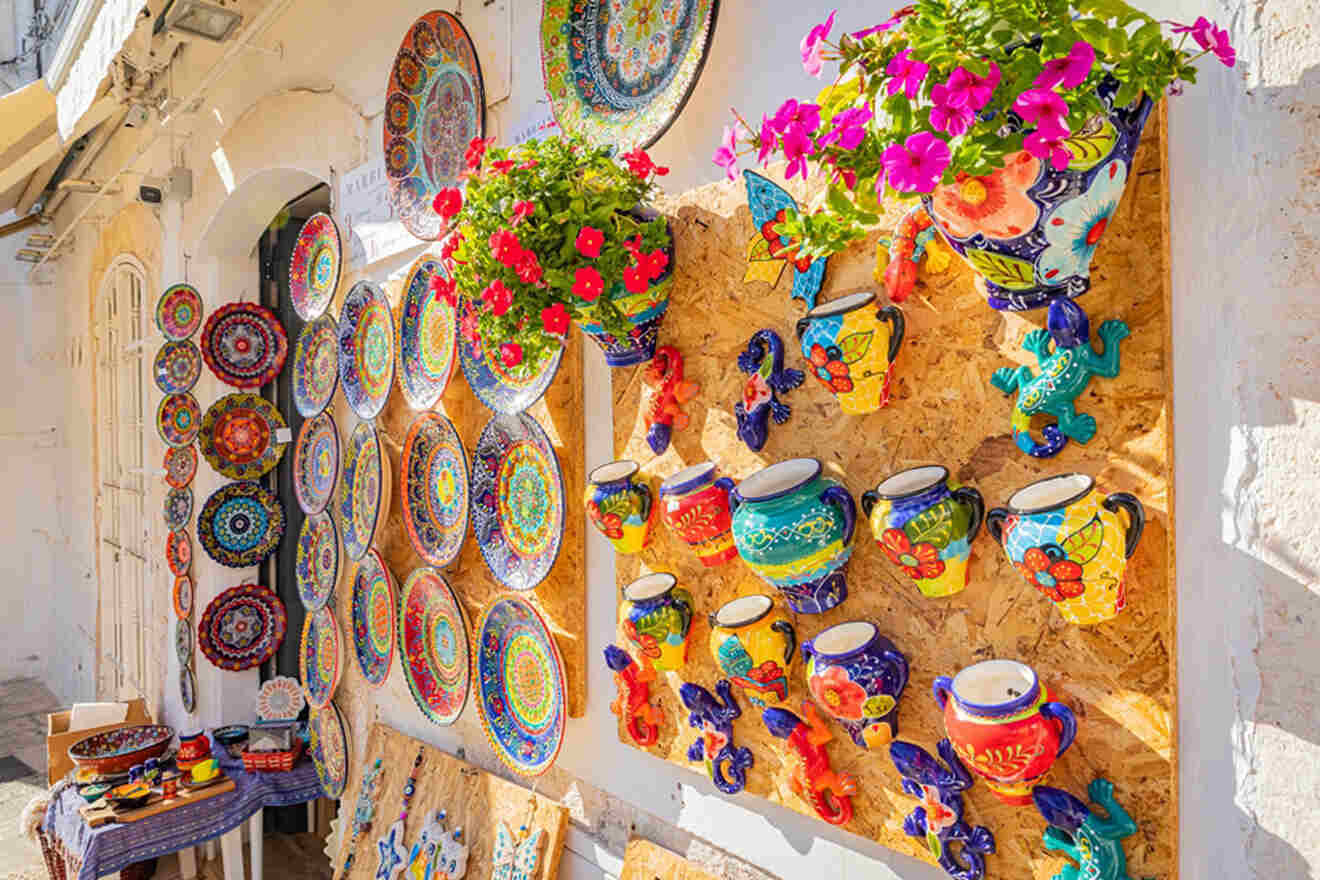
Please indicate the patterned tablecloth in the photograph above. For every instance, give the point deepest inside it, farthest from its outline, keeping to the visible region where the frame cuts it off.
(88, 853)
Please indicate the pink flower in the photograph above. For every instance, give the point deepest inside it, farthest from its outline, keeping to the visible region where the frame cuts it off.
(1044, 109)
(952, 119)
(1210, 37)
(587, 284)
(589, 241)
(469, 326)
(965, 89)
(511, 354)
(727, 155)
(907, 75)
(849, 128)
(1071, 69)
(555, 319)
(916, 164)
(791, 113)
(884, 25)
(1048, 146)
(797, 146)
(521, 211)
(498, 296)
(813, 45)
(767, 141)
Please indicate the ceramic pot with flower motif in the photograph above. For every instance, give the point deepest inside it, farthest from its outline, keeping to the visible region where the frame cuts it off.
(620, 506)
(1004, 725)
(754, 644)
(925, 527)
(657, 617)
(694, 503)
(643, 311)
(850, 346)
(857, 675)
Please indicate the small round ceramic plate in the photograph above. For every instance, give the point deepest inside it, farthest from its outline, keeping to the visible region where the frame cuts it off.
(242, 627)
(178, 552)
(328, 742)
(362, 496)
(177, 367)
(240, 524)
(183, 597)
(366, 349)
(183, 641)
(435, 489)
(428, 332)
(320, 657)
(178, 419)
(240, 436)
(244, 344)
(178, 508)
(180, 465)
(517, 501)
(314, 267)
(316, 561)
(315, 463)
(280, 699)
(505, 390)
(520, 686)
(179, 312)
(435, 105)
(187, 689)
(315, 366)
(433, 645)
(373, 618)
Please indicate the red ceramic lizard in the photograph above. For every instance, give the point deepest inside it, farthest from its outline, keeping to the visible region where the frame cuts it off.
(813, 780)
(664, 376)
(901, 275)
(634, 684)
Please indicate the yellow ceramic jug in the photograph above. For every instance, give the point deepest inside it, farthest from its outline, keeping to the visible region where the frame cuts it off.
(753, 643)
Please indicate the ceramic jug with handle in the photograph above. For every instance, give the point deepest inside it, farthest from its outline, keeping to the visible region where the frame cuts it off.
(657, 616)
(620, 506)
(694, 503)
(857, 675)
(754, 644)
(850, 347)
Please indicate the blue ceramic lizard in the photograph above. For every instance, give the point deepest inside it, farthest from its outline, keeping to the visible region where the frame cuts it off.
(714, 718)
(763, 361)
(939, 819)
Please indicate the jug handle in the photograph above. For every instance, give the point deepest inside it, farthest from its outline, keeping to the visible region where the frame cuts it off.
(801, 326)
(783, 626)
(869, 499)
(724, 484)
(1063, 716)
(1136, 517)
(734, 501)
(806, 649)
(893, 315)
(942, 687)
(839, 496)
(900, 664)
(994, 524)
(972, 498)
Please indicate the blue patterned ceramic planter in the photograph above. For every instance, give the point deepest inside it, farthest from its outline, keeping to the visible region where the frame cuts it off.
(643, 311)
(857, 675)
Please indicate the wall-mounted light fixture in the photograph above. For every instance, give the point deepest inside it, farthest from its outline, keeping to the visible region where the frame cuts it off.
(200, 18)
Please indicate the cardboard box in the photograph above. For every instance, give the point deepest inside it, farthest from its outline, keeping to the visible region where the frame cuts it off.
(59, 738)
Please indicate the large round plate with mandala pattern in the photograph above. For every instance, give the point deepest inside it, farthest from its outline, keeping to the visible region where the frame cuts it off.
(366, 349)
(240, 524)
(178, 552)
(315, 366)
(328, 741)
(362, 496)
(242, 627)
(520, 686)
(320, 657)
(373, 618)
(314, 267)
(435, 489)
(315, 463)
(619, 72)
(316, 561)
(180, 465)
(433, 645)
(183, 641)
(187, 689)
(428, 334)
(178, 508)
(183, 597)
(178, 419)
(177, 367)
(517, 501)
(179, 312)
(435, 105)
(244, 344)
(240, 436)
(506, 390)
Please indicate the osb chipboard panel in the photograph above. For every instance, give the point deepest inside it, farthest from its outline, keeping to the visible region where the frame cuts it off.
(474, 800)
(1117, 677)
(643, 860)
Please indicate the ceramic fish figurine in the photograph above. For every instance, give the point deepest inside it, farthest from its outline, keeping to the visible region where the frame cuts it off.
(1077, 832)
(633, 703)
(664, 376)
(914, 236)
(714, 716)
(813, 780)
(939, 819)
(769, 251)
(763, 361)
(512, 860)
(1064, 374)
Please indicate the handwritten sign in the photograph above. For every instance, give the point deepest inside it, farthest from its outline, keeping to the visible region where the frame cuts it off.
(370, 229)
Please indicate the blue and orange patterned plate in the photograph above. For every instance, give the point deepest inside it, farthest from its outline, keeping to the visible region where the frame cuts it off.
(240, 524)
(329, 747)
(428, 337)
(435, 489)
(506, 390)
(366, 349)
(373, 618)
(316, 560)
(315, 366)
(362, 496)
(315, 463)
(314, 266)
(320, 657)
(177, 367)
(433, 645)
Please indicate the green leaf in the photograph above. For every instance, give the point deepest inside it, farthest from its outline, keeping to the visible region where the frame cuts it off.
(1091, 145)
(1083, 545)
(759, 250)
(854, 346)
(838, 201)
(1007, 272)
(933, 525)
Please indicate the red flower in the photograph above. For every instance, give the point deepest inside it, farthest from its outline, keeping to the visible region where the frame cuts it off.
(528, 165)
(767, 671)
(588, 284)
(1055, 577)
(445, 289)
(634, 279)
(832, 372)
(917, 560)
(450, 245)
(528, 268)
(589, 241)
(448, 202)
(838, 694)
(655, 262)
(521, 211)
(498, 297)
(502, 167)
(634, 246)
(511, 354)
(476, 151)
(555, 319)
(641, 166)
(505, 246)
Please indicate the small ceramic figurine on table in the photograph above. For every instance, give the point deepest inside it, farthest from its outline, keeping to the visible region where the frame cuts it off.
(664, 411)
(939, 819)
(1076, 831)
(634, 701)
(763, 361)
(713, 716)
(813, 780)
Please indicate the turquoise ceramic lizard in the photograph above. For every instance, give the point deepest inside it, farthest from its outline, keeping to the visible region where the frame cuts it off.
(1076, 831)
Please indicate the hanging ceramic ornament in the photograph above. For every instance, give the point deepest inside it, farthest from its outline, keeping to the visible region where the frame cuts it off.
(769, 251)
(668, 392)
(438, 854)
(364, 811)
(390, 849)
(514, 860)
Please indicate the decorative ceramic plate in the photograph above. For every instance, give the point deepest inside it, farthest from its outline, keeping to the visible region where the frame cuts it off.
(362, 496)
(433, 645)
(520, 686)
(178, 552)
(177, 367)
(244, 344)
(183, 641)
(316, 562)
(240, 436)
(183, 597)
(179, 312)
(314, 267)
(241, 524)
(366, 349)
(428, 334)
(187, 689)
(242, 627)
(435, 489)
(114, 751)
(373, 618)
(180, 465)
(618, 73)
(321, 657)
(178, 419)
(315, 463)
(328, 735)
(517, 500)
(178, 508)
(503, 389)
(280, 699)
(434, 105)
(315, 366)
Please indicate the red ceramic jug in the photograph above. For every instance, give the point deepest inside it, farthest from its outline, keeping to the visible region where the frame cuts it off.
(194, 747)
(695, 505)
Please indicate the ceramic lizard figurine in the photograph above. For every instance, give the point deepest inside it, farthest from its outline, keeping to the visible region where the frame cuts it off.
(763, 361)
(1064, 374)
(714, 717)
(664, 376)
(634, 700)
(1094, 843)
(914, 233)
(939, 819)
(813, 779)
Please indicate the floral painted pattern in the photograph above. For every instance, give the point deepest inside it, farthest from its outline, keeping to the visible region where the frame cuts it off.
(919, 560)
(829, 369)
(994, 205)
(840, 695)
(1050, 573)
(1075, 228)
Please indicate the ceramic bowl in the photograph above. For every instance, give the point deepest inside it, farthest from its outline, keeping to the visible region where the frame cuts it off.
(114, 751)
(94, 792)
(233, 737)
(130, 796)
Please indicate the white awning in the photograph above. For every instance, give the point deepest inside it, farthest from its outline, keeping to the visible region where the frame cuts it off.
(106, 35)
